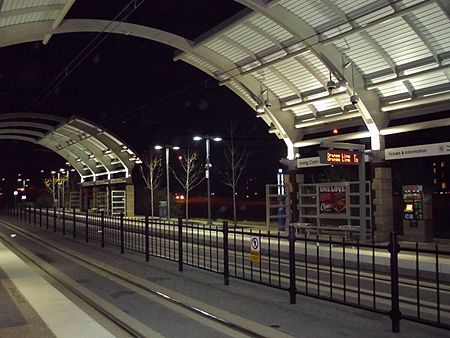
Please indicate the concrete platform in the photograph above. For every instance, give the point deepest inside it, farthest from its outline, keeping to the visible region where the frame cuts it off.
(32, 307)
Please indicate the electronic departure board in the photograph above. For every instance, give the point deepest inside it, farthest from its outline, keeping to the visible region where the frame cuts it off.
(337, 156)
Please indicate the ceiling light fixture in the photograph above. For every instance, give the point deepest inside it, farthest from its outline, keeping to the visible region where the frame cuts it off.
(331, 85)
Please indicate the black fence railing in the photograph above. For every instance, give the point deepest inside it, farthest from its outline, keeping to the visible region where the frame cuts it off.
(402, 281)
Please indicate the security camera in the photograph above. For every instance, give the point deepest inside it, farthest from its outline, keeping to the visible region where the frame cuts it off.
(331, 85)
(354, 99)
(268, 103)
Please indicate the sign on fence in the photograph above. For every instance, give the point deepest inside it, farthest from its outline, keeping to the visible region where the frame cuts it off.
(255, 255)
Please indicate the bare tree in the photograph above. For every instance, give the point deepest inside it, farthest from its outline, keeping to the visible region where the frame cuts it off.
(151, 172)
(191, 176)
(236, 160)
(50, 184)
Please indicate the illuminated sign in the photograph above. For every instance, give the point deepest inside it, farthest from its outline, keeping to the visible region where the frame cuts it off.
(337, 156)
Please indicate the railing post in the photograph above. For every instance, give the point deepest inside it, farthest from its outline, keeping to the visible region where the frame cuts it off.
(34, 215)
(54, 219)
(46, 218)
(102, 224)
(395, 313)
(74, 224)
(40, 217)
(87, 226)
(180, 244)
(64, 220)
(292, 270)
(226, 271)
(147, 240)
(122, 249)
(29, 214)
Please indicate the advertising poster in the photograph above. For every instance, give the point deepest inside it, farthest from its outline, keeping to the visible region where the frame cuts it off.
(332, 199)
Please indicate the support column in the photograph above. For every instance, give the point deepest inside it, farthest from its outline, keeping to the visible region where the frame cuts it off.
(94, 197)
(129, 200)
(383, 203)
(293, 180)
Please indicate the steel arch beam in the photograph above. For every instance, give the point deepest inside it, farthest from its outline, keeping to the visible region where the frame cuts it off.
(29, 32)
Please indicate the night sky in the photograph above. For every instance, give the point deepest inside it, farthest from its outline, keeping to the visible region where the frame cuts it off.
(133, 88)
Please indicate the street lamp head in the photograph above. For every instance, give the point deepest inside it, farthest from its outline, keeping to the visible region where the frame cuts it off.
(53, 172)
(158, 147)
(197, 138)
(176, 148)
(217, 139)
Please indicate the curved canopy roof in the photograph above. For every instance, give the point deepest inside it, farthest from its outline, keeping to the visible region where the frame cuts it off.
(96, 154)
(389, 61)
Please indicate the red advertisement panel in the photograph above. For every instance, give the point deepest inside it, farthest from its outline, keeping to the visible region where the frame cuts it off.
(332, 199)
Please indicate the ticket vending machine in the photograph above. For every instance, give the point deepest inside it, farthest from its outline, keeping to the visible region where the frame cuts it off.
(417, 223)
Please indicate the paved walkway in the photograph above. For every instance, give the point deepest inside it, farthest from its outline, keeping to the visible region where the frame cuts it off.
(31, 307)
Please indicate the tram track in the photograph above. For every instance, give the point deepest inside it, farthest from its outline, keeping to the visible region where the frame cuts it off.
(229, 325)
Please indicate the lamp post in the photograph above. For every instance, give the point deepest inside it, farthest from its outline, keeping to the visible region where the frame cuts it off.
(53, 188)
(63, 171)
(15, 198)
(167, 147)
(207, 167)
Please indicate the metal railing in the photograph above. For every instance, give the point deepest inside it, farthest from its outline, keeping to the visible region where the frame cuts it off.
(403, 282)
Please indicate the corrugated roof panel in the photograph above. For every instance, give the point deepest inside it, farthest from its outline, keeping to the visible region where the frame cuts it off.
(314, 12)
(240, 90)
(410, 3)
(404, 46)
(325, 104)
(272, 28)
(227, 50)
(277, 86)
(274, 55)
(301, 110)
(202, 63)
(8, 5)
(367, 59)
(336, 31)
(250, 39)
(351, 5)
(297, 75)
(429, 81)
(320, 69)
(392, 89)
(269, 80)
(435, 26)
(373, 15)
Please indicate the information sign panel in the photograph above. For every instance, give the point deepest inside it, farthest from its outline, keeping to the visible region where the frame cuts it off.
(339, 156)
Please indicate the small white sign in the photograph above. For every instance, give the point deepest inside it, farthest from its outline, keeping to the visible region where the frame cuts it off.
(424, 150)
(308, 162)
(254, 244)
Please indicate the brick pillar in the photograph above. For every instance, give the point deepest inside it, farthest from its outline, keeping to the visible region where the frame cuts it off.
(129, 200)
(384, 217)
